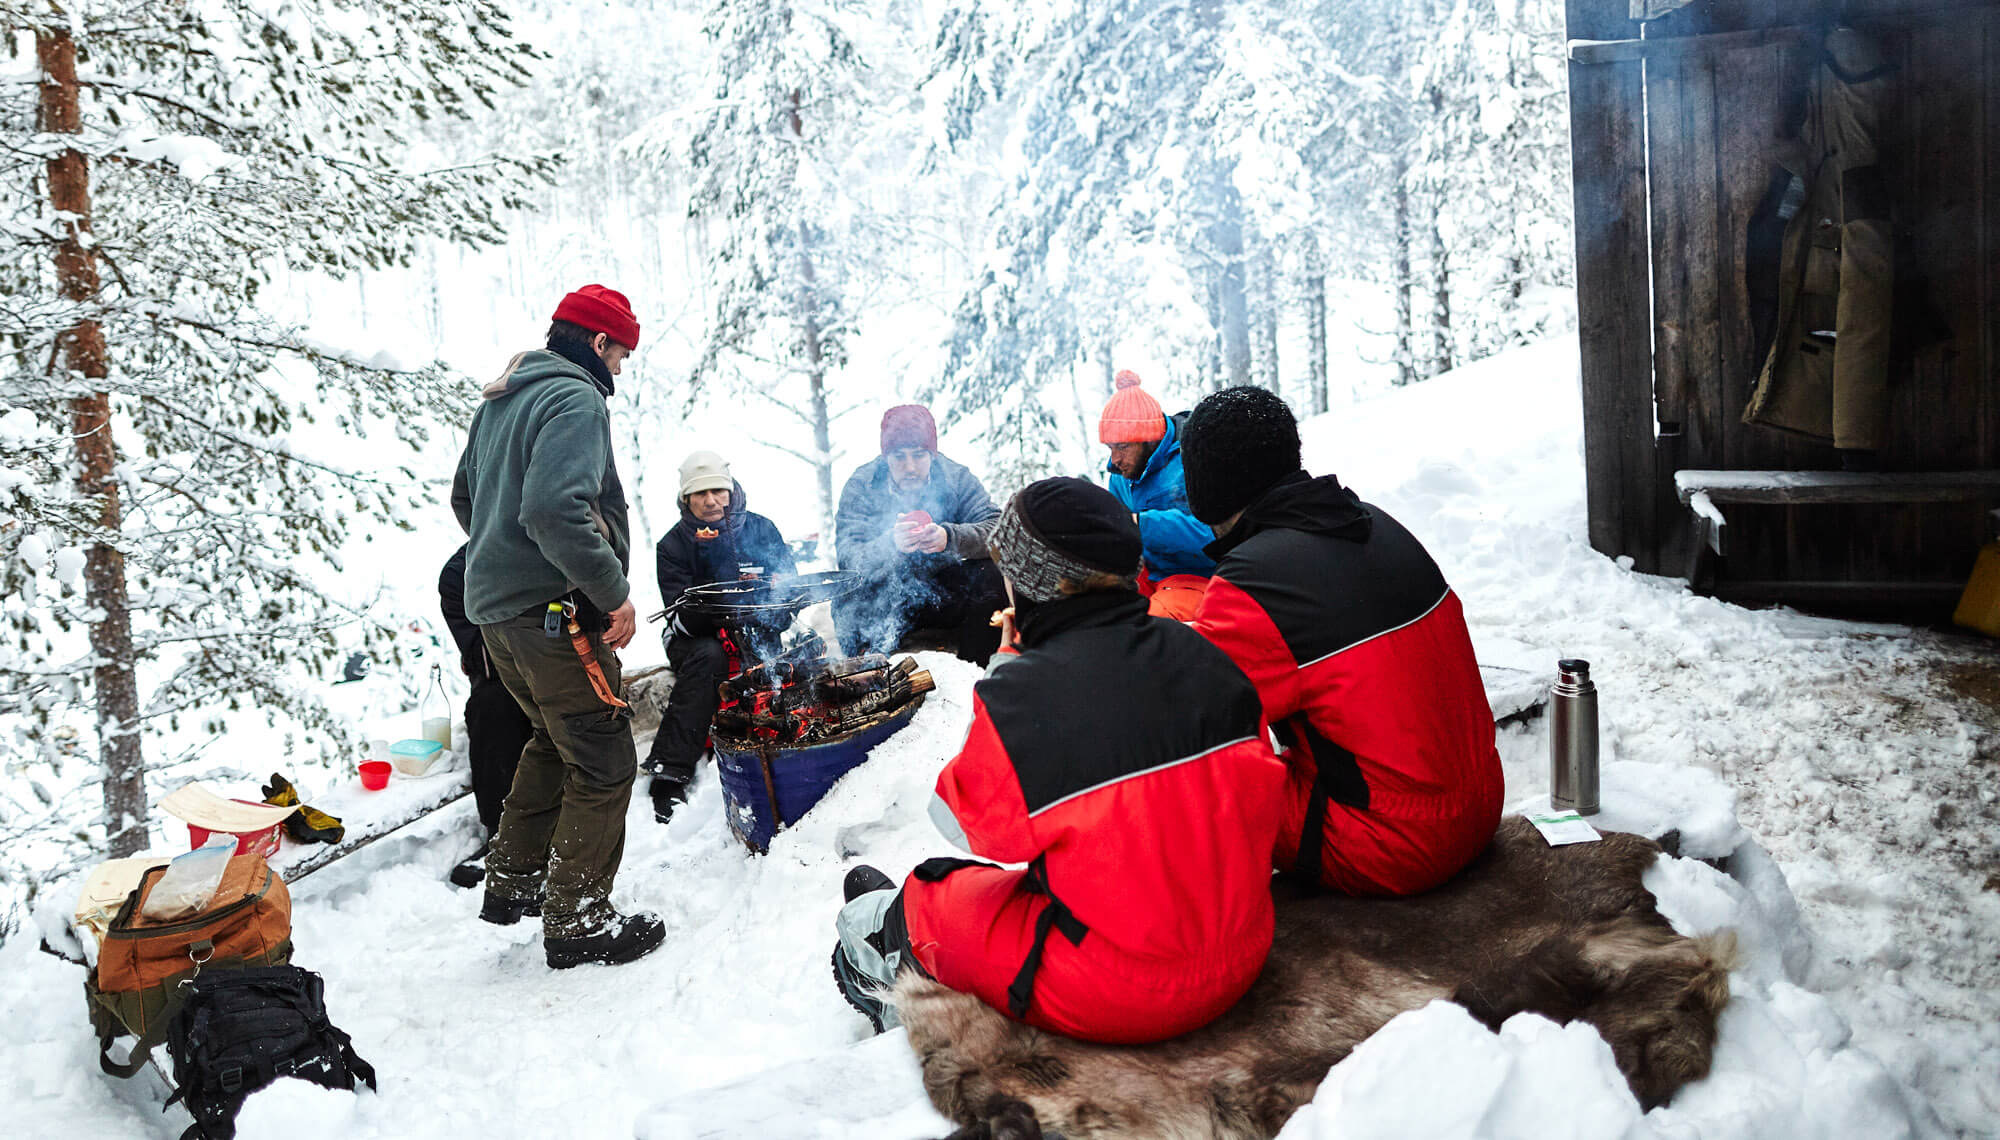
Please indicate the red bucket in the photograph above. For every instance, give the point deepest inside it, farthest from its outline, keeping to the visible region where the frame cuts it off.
(263, 842)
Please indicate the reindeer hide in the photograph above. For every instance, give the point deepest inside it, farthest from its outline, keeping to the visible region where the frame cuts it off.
(1566, 932)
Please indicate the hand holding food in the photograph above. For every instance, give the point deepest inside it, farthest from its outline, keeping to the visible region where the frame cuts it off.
(915, 531)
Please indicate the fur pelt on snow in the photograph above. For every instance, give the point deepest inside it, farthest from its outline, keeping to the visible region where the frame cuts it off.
(1567, 932)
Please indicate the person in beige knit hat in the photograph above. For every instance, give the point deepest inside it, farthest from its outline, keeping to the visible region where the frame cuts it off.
(716, 540)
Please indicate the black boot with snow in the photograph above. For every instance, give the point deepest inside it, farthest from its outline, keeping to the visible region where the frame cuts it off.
(864, 879)
(502, 911)
(472, 871)
(624, 939)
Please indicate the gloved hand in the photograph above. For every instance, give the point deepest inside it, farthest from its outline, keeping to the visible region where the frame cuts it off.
(306, 825)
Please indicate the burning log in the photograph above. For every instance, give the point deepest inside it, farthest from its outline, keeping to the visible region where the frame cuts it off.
(785, 703)
(789, 729)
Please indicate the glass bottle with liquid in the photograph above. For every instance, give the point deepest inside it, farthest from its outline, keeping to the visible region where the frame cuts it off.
(436, 710)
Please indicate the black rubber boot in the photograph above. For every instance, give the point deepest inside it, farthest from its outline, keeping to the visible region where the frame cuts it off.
(858, 990)
(472, 871)
(667, 794)
(506, 912)
(627, 938)
(863, 879)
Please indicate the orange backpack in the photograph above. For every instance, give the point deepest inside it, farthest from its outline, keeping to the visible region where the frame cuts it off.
(143, 966)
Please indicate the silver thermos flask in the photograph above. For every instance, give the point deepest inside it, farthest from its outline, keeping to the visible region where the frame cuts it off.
(1573, 738)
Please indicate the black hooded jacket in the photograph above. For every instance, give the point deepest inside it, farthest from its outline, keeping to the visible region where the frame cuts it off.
(1300, 502)
(695, 553)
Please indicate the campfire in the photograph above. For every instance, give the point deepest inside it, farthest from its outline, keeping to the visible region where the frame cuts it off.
(788, 703)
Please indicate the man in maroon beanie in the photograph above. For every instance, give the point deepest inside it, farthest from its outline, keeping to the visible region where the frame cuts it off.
(914, 525)
(545, 582)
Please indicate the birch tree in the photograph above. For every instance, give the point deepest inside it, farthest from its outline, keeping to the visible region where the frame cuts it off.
(166, 163)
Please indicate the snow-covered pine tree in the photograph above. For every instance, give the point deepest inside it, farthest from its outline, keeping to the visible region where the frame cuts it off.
(1121, 226)
(166, 160)
(1488, 150)
(793, 253)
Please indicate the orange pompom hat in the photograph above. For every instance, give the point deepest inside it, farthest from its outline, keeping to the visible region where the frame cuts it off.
(1130, 416)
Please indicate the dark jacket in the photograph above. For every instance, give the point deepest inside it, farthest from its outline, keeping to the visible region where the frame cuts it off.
(451, 599)
(1146, 813)
(694, 553)
(1359, 650)
(1173, 537)
(954, 498)
(538, 492)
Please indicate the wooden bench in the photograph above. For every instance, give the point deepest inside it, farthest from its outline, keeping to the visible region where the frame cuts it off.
(1703, 492)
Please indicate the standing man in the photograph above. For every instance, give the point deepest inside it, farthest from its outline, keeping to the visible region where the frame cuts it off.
(914, 525)
(716, 540)
(1145, 474)
(1359, 651)
(539, 495)
(495, 727)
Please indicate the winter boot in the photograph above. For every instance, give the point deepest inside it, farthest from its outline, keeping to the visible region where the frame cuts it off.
(472, 871)
(862, 880)
(502, 911)
(668, 794)
(623, 939)
(858, 989)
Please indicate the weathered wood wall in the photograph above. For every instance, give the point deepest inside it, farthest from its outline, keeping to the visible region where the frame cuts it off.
(1671, 151)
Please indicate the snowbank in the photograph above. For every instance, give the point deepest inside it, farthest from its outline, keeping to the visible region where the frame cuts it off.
(1829, 743)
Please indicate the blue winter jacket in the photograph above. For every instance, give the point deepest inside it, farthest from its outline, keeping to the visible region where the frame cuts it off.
(1173, 537)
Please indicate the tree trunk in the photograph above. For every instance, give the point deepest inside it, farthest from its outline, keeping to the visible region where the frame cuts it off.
(1316, 368)
(1211, 360)
(1264, 322)
(1086, 423)
(1441, 342)
(1402, 279)
(113, 680)
(1233, 303)
(822, 423)
(809, 328)
(1406, 329)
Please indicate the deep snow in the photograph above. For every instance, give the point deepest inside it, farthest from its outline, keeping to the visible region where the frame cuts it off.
(1860, 756)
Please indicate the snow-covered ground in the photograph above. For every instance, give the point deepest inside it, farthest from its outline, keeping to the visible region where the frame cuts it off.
(1861, 757)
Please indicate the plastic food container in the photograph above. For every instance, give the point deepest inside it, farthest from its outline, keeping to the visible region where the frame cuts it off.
(263, 841)
(374, 774)
(415, 757)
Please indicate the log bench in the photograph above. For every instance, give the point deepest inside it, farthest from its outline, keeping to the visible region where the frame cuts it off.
(1704, 492)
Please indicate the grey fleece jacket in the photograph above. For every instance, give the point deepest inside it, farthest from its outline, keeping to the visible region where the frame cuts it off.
(538, 492)
(869, 504)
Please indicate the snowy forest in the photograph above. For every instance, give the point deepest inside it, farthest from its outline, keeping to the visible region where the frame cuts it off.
(821, 206)
(257, 258)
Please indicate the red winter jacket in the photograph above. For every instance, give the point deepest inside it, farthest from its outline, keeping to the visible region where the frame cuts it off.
(1124, 759)
(1360, 653)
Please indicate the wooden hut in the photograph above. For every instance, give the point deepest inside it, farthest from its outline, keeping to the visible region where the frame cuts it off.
(1675, 110)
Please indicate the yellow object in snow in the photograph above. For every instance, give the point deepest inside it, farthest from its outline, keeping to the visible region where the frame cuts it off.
(1979, 607)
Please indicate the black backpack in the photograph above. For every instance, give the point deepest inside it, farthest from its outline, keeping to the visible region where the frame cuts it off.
(239, 1030)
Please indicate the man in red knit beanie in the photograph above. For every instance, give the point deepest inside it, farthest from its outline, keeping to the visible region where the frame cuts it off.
(913, 524)
(545, 582)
